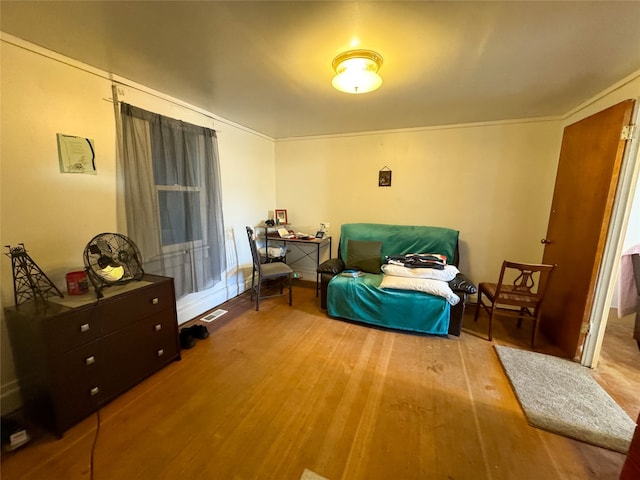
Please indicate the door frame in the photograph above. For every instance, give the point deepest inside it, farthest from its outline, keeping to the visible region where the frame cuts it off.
(609, 268)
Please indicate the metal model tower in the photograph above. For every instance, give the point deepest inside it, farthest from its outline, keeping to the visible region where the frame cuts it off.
(29, 281)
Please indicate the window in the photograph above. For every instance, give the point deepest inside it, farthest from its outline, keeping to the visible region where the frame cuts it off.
(180, 217)
(172, 197)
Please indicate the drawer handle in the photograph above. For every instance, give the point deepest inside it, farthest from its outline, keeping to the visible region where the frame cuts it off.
(84, 327)
(160, 352)
(90, 360)
(94, 391)
(155, 301)
(158, 327)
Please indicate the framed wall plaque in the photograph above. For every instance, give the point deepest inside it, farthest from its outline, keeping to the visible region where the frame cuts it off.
(76, 154)
(384, 177)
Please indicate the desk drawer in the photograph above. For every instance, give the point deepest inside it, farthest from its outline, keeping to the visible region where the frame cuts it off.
(134, 305)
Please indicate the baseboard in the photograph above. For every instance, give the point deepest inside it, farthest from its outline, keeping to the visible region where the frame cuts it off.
(195, 305)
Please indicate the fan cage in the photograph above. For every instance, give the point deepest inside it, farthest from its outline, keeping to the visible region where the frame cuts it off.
(114, 250)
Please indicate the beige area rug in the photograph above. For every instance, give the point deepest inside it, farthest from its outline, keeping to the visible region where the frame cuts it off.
(309, 475)
(560, 396)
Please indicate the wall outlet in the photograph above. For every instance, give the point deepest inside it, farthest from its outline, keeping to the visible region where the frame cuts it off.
(298, 275)
(14, 435)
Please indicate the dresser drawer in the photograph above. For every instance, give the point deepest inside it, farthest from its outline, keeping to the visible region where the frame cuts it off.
(140, 349)
(140, 303)
(159, 345)
(65, 332)
(78, 385)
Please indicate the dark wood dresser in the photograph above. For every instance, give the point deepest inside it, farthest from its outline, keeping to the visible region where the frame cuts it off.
(72, 359)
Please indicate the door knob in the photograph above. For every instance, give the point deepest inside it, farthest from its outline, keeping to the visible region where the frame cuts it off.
(545, 241)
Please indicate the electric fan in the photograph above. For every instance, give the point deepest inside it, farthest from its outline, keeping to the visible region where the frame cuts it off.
(112, 259)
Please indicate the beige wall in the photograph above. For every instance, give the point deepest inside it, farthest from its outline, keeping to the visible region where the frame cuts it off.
(493, 183)
(55, 214)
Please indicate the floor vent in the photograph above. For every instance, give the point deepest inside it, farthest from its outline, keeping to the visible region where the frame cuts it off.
(213, 315)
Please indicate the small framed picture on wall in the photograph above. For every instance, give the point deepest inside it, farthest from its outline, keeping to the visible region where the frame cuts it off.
(384, 177)
(281, 217)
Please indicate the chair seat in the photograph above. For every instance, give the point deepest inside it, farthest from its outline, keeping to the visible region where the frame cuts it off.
(507, 297)
(276, 269)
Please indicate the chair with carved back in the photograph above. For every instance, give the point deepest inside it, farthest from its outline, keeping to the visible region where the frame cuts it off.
(266, 271)
(521, 297)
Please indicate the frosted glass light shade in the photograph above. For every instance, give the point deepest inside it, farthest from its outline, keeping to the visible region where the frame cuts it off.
(357, 71)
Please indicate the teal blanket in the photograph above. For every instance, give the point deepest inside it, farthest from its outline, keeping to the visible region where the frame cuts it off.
(360, 299)
(402, 239)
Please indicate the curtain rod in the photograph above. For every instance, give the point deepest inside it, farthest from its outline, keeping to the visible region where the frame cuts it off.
(166, 98)
(117, 101)
(178, 103)
(187, 106)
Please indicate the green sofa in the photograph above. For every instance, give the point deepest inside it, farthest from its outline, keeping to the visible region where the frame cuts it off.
(361, 299)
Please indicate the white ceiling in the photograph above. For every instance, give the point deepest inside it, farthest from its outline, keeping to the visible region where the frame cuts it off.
(267, 65)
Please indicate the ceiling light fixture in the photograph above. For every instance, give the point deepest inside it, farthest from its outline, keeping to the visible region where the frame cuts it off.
(357, 71)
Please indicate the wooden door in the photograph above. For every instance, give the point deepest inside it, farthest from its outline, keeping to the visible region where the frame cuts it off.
(588, 170)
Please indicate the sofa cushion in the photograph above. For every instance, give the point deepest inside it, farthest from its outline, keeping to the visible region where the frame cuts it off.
(364, 255)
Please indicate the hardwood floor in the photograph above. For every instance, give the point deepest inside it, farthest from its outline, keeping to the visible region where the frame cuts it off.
(272, 393)
(619, 368)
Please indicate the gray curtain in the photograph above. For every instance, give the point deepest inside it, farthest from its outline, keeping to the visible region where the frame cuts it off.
(173, 198)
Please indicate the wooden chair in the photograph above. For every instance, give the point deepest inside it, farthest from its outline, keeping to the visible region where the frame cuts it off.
(266, 271)
(525, 292)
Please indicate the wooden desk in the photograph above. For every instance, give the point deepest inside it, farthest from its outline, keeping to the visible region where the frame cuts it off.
(319, 243)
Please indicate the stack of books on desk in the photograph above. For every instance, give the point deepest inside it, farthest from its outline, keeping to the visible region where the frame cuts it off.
(284, 233)
(304, 236)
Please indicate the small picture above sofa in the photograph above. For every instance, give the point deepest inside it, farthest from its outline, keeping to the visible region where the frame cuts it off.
(410, 280)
